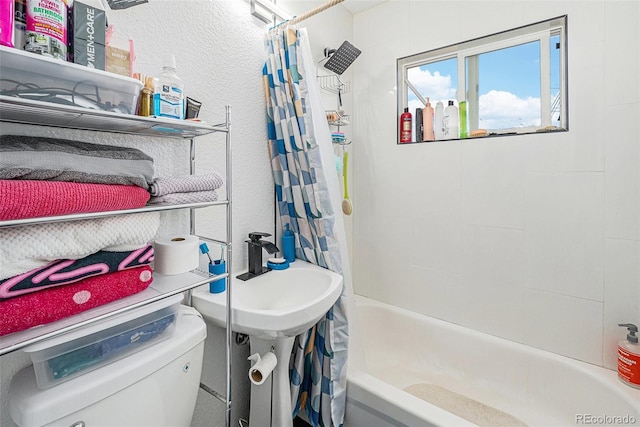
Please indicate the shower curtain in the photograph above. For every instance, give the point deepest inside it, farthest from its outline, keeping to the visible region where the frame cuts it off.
(308, 199)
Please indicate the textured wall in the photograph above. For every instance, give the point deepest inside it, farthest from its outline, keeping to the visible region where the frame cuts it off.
(219, 51)
(532, 238)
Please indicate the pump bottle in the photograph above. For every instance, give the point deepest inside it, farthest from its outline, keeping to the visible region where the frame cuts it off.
(406, 124)
(629, 357)
(168, 96)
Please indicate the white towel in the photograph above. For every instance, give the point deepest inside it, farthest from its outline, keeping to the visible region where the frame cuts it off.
(25, 248)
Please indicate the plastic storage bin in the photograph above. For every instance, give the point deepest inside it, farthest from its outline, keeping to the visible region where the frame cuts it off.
(30, 76)
(69, 355)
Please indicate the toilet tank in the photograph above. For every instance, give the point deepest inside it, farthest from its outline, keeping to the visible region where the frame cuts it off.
(156, 386)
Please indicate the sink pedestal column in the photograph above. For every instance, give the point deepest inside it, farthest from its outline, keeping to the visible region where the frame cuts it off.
(271, 401)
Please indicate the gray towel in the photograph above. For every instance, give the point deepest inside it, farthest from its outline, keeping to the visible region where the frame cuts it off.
(185, 184)
(39, 158)
(182, 198)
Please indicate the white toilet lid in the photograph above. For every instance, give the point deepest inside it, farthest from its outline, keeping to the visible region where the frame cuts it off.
(29, 405)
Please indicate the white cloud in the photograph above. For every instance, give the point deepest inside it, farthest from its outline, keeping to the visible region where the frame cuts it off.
(500, 110)
(435, 86)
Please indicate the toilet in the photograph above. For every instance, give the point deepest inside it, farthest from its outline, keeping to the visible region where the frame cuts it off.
(155, 386)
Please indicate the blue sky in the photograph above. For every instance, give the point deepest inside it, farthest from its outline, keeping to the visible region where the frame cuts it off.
(509, 85)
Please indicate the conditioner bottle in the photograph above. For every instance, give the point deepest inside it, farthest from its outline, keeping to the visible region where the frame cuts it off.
(451, 122)
(427, 122)
(629, 357)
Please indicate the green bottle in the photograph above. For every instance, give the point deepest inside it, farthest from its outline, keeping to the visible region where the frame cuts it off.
(463, 119)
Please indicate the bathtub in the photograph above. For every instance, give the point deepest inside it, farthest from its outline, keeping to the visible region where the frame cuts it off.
(422, 371)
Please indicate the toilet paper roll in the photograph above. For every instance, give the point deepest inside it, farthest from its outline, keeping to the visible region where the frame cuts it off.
(176, 255)
(263, 367)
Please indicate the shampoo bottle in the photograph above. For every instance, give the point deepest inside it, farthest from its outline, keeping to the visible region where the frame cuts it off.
(437, 124)
(168, 97)
(406, 123)
(427, 122)
(450, 121)
(629, 357)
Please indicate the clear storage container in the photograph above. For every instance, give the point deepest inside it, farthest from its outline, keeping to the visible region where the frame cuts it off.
(66, 356)
(30, 76)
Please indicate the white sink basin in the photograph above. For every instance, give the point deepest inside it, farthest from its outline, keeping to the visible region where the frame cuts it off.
(280, 303)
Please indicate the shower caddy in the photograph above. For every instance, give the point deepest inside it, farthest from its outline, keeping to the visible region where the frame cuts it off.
(30, 112)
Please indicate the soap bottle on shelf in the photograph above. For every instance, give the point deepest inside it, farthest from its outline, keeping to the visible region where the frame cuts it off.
(463, 119)
(437, 124)
(406, 124)
(288, 245)
(168, 97)
(629, 357)
(450, 121)
(427, 122)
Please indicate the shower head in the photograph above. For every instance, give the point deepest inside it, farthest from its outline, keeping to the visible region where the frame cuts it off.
(342, 58)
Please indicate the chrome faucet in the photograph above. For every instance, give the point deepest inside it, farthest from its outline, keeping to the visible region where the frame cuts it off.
(255, 246)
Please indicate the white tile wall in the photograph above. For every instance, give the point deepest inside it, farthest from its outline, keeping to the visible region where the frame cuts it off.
(564, 234)
(544, 247)
(563, 324)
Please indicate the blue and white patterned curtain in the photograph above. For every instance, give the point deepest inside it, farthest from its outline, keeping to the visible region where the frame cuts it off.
(306, 203)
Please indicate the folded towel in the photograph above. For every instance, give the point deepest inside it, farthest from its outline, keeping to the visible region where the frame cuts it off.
(26, 248)
(49, 305)
(39, 158)
(66, 271)
(31, 199)
(181, 198)
(185, 184)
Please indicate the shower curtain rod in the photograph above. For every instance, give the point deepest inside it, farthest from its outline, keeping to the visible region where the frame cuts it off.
(309, 14)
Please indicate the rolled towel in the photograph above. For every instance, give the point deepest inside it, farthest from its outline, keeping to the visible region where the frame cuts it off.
(185, 184)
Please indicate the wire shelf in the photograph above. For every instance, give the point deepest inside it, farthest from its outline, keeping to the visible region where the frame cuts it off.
(332, 83)
(337, 118)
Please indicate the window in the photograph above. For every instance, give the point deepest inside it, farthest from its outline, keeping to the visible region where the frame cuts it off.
(513, 82)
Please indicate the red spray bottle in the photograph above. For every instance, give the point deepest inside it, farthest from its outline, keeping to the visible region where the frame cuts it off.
(406, 124)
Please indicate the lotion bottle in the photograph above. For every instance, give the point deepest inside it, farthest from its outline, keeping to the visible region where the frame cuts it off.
(406, 124)
(451, 122)
(427, 122)
(629, 357)
(437, 124)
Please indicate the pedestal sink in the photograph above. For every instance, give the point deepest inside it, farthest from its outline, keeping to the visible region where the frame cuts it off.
(272, 309)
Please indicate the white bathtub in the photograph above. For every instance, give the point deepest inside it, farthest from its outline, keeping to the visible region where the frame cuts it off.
(487, 380)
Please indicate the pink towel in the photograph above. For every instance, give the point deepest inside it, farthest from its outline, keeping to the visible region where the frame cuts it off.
(49, 305)
(65, 271)
(31, 199)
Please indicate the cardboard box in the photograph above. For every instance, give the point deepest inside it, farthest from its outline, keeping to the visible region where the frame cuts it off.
(118, 61)
(88, 43)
